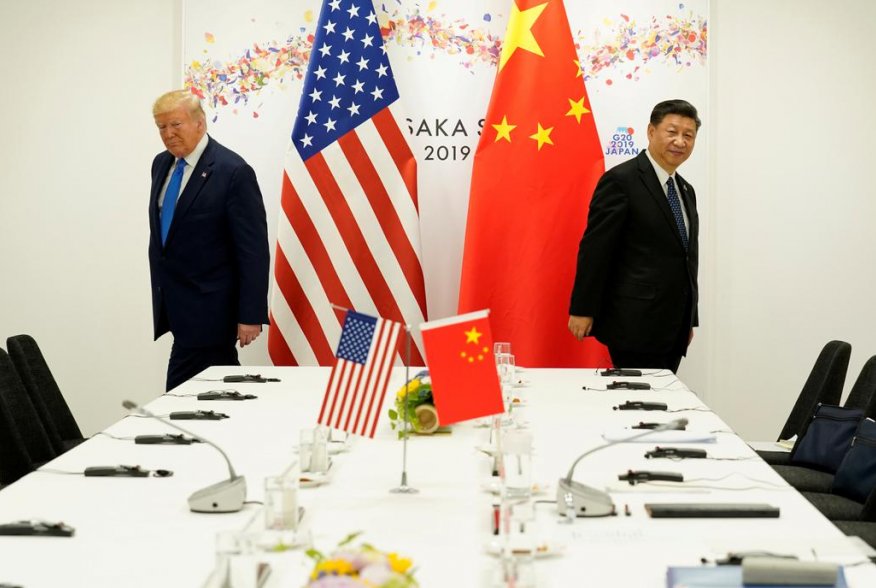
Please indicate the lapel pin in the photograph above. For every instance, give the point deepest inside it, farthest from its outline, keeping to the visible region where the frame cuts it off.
(203, 174)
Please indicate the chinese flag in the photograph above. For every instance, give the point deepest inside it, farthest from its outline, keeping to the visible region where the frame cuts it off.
(459, 353)
(536, 165)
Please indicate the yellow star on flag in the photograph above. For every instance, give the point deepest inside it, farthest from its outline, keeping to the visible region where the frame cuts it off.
(472, 336)
(577, 108)
(519, 33)
(578, 68)
(503, 129)
(542, 136)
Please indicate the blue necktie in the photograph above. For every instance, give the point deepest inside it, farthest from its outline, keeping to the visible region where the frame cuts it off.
(675, 207)
(170, 197)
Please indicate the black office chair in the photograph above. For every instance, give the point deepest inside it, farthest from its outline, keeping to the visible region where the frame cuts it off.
(54, 413)
(24, 445)
(840, 508)
(824, 384)
(863, 529)
(861, 396)
(863, 393)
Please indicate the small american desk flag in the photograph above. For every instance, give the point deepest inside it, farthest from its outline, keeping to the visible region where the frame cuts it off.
(348, 229)
(354, 396)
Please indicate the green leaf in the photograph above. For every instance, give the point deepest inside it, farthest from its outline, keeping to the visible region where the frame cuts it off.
(314, 554)
(393, 414)
(349, 538)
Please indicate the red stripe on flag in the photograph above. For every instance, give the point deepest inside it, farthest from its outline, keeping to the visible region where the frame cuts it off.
(380, 384)
(386, 214)
(378, 355)
(313, 246)
(302, 309)
(278, 350)
(335, 381)
(356, 244)
(329, 394)
(354, 391)
(399, 150)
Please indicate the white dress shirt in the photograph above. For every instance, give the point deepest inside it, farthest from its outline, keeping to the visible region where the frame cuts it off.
(662, 177)
(191, 161)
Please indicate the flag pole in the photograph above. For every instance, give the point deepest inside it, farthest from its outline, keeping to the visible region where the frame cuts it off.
(403, 488)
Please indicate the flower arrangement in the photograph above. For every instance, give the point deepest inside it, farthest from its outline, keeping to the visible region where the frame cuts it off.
(415, 400)
(360, 567)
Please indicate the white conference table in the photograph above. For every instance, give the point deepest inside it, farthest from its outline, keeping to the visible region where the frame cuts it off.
(139, 532)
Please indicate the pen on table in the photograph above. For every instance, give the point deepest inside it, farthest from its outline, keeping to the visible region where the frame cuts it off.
(495, 518)
(627, 510)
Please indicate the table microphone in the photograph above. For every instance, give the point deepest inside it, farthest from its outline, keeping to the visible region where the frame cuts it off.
(585, 501)
(225, 496)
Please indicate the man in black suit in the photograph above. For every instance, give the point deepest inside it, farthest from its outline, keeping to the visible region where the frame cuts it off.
(208, 244)
(636, 284)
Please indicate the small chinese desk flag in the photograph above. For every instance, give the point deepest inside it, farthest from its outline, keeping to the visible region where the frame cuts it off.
(459, 353)
(354, 396)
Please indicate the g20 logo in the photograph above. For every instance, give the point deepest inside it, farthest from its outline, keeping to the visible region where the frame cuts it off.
(622, 142)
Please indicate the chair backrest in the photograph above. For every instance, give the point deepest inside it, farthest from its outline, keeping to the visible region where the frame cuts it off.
(23, 440)
(824, 384)
(863, 393)
(53, 410)
(868, 513)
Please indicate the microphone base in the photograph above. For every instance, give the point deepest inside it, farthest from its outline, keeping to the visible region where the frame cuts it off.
(225, 496)
(587, 501)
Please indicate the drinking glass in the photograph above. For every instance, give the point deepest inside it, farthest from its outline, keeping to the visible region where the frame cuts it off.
(319, 459)
(516, 565)
(517, 465)
(281, 501)
(305, 448)
(505, 367)
(501, 348)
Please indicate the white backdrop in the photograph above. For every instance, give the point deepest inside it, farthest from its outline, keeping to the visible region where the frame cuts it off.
(247, 59)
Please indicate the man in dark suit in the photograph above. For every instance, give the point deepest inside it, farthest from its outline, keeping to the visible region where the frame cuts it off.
(208, 244)
(636, 285)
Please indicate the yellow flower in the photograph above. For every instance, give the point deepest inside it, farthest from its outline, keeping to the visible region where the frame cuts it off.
(335, 567)
(399, 564)
(411, 387)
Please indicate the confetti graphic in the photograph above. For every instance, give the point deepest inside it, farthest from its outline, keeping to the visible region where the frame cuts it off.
(621, 48)
(626, 48)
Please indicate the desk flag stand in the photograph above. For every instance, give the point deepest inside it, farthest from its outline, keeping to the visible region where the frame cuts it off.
(403, 488)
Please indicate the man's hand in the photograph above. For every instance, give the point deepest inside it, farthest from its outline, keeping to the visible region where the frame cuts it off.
(246, 334)
(690, 337)
(580, 326)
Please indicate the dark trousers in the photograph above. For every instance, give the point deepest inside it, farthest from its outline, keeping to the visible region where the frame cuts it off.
(631, 359)
(186, 362)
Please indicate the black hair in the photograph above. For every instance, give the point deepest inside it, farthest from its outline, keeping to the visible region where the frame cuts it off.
(679, 107)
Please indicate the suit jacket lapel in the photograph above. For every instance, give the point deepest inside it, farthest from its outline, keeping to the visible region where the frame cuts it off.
(649, 178)
(199, 177)
(684, 191)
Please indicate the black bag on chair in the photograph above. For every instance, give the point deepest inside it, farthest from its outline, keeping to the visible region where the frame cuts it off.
(856, 476)
(827, 438)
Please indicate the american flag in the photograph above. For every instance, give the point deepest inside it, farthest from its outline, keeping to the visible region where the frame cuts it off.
(349, 226)
(354, 396)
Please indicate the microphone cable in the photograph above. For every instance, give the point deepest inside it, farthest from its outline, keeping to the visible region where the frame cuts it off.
(114, 437)
(764, 485)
